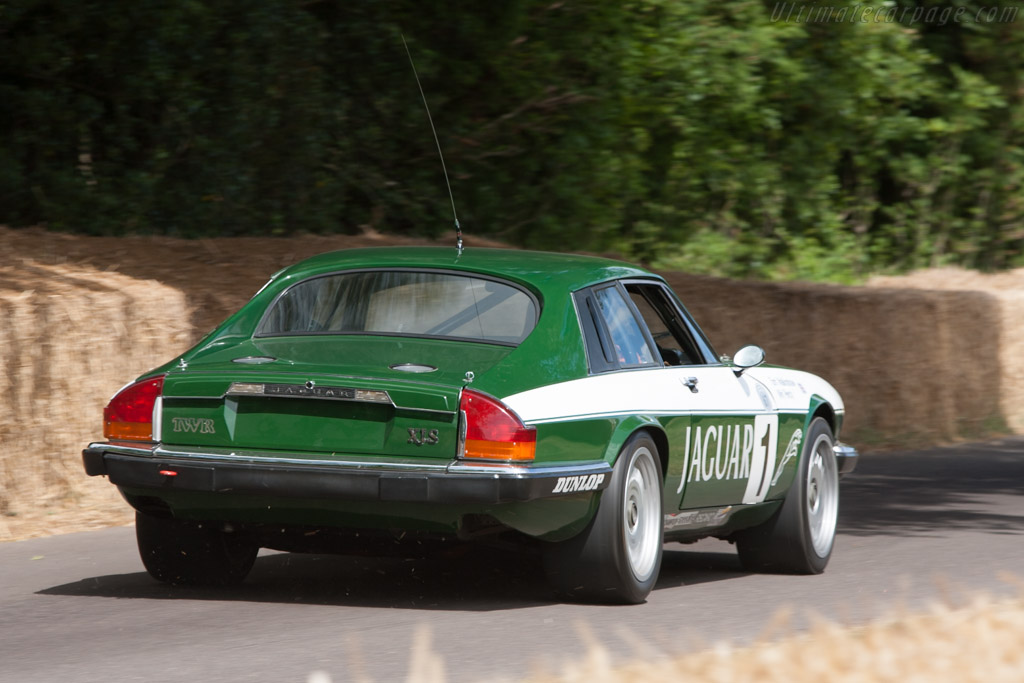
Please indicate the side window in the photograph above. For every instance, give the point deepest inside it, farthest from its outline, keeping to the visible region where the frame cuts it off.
(629, 345)
(675, 345)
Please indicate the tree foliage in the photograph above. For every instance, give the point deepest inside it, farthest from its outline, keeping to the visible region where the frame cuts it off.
(714, 136)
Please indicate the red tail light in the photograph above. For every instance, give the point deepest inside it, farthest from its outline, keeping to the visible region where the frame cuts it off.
(129, 415)
(493, 431)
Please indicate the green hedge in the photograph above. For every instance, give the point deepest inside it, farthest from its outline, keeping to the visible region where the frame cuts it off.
(714, 136)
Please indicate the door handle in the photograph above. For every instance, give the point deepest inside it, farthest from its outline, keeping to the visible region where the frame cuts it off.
(691, 384)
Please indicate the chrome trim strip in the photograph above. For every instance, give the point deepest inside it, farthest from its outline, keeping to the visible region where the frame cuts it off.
(124, 448)
(157, 419)
(236, 395)
(364, 463)
(309, 390)
(423, 410)
(702, 413)
(391, 379)
(512, 470)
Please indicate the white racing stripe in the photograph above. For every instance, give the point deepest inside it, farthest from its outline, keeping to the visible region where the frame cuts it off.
(742, 448)
(660, 391)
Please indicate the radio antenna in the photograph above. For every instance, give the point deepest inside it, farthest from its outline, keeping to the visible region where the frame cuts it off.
(458, 228)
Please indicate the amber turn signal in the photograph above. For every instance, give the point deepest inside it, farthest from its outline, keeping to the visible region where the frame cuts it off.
(493, 430)
(129, 415)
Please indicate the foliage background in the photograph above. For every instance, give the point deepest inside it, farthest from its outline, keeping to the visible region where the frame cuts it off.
(723, 137)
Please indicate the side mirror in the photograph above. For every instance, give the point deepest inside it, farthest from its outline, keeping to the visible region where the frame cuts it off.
(747, 357)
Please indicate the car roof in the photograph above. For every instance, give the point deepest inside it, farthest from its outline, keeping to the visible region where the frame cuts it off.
(543, 271)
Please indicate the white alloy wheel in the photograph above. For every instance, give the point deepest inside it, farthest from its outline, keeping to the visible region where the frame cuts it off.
(822, 494)
(617, 556)
(641, 513)
(800, 536)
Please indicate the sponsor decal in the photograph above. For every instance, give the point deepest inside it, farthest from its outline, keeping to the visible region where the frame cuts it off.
(695, 518)
(422, 437)
(195, 425)
(791, 450)
(718, 452)
(731, 452)
(583, 482)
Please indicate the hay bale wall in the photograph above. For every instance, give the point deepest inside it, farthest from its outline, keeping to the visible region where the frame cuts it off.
(1007, 290)
(914, 367)
(70, 336)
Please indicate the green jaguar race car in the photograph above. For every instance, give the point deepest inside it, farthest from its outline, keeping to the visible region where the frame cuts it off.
(572, 402)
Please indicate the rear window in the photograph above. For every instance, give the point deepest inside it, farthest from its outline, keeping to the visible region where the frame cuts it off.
(404, 303)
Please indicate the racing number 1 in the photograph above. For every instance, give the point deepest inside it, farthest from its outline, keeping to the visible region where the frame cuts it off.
(765, 443)
(763, 458)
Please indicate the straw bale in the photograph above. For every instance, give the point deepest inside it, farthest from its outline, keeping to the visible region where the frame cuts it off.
(1007, 289)
(70, 336)
(912, 366)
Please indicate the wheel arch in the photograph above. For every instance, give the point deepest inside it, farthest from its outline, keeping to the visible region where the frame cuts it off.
(630, 426)
(819, 407)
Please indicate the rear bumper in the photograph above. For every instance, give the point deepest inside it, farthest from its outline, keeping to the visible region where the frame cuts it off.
(353, 479)
(846, 458)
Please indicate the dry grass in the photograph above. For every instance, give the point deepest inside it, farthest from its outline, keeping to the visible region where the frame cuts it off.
(980, 643)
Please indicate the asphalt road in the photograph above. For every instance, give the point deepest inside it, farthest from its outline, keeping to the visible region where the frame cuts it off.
(914, 528)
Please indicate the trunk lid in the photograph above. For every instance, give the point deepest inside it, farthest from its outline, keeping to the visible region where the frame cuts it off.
(324, 396)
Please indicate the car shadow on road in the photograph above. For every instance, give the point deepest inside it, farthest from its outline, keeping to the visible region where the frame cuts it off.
(466, 578)
(690, 566)
(971, 487)
(975, 487)
(470, 579)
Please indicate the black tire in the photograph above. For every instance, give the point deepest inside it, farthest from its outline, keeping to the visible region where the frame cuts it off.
(182, 552)
(617, 557)
(799, 537)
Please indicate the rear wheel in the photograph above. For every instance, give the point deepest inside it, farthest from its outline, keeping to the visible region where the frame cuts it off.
(197, 553)
(616, 558)
(799, 537)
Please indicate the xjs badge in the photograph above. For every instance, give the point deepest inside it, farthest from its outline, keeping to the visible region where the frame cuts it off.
(419, 436)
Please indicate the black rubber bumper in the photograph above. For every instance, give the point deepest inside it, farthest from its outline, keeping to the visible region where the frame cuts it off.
(363, 483)
(846, 458)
